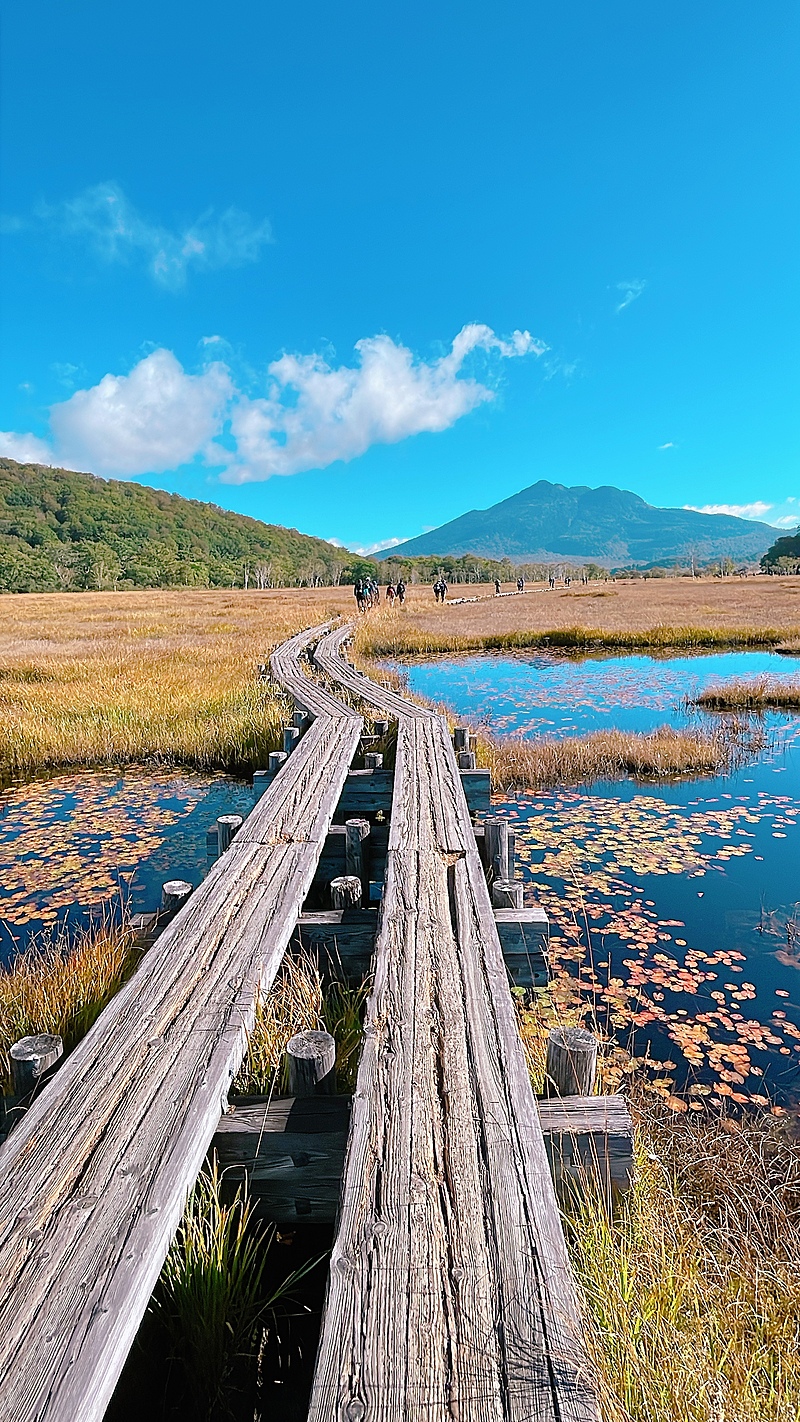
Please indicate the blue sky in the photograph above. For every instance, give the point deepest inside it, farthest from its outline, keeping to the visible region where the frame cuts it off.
(359, 268)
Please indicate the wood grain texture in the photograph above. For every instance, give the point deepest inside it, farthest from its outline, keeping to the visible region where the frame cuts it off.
(94, 1179)
(450, 1293)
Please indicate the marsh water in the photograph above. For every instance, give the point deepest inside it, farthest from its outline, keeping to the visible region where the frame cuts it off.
(77, 844)
(674, 906)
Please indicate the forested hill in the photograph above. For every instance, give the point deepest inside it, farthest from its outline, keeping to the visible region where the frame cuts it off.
(61, 530)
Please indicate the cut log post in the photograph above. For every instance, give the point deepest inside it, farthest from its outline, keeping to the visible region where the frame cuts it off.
(356, 853)
(373, 760)
(466, 759)
(291, 736)
(461, 738)
(300, 719)
(571, 1062)
(312, 1064)
(276, 760)
(173, 896)
(31, 1057)
(496, 841)
(212, 844)
(381, 728)
(346, 892)
(227, 825)
(507, 893)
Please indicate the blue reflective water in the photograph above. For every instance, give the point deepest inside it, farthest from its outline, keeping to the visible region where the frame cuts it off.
(675, 907)
(555, 695)
(70, 844)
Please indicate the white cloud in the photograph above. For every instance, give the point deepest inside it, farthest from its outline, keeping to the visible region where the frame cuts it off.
(786, 521)
(756, 510)
(669, 445)
(159, 417)
(631, 291)
(314, 414)
(25, 447)
(370, 548)
(105, 219)
(151, 420)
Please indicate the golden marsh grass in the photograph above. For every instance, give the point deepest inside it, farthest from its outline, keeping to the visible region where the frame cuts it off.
(763, 694)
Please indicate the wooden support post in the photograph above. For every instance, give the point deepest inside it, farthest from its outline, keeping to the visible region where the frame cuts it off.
(291, 736)
(276, 760)
(346, 892)
(356, 853)
(571, 1062)
(173, 896)
(312, 1064)
(227, 825)
(381, 728)
(496, 841)
(212, 844)
(300, 719)
(507, 893)
(466, 759)
(31, 1057)
(373, 760)
(461, 738)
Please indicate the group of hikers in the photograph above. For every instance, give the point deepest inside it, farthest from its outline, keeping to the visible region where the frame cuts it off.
(368, 594)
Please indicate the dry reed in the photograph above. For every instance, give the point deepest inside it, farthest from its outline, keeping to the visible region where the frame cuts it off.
(62, 982)
(517, 764)
(762, 694)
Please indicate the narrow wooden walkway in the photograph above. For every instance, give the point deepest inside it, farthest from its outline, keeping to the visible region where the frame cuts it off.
(94, 1179)
(450, 1293)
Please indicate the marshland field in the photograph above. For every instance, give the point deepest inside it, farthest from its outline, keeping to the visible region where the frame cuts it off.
(644, 741)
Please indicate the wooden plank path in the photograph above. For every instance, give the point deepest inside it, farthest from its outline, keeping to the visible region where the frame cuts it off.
(450, 1294)
(94, 1179)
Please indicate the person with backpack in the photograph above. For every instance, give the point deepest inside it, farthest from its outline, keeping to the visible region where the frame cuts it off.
(401, 591)
(497, 587)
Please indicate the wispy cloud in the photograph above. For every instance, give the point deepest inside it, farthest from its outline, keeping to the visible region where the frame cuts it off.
(756, 510)
(104, 220)
(669, 445)
(159, 417)
(631, 291)
(366, 549)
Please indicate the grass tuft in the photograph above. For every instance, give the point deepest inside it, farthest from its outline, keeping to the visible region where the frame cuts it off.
(762, 694)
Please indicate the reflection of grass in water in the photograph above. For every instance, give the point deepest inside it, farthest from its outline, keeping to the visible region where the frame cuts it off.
(213, 1299)
(763, 694)
(62, 983)
(693, 1286)
(299, 1001)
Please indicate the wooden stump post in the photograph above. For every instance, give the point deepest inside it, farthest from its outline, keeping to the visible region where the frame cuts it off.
(173, 896)
(300, 719)
(461, 738)
(346, 892)
(356, 853)
(276, 760)
(227, 825)
(291, 736)
(312, 1064)
(571, 1062)
(381, 729)
(496, 842)
(466, 760)
(507, 893)
(373, 760)
(31, 1057)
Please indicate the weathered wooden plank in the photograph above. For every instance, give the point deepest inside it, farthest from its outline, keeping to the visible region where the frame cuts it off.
(93, 1180)
(450, 1292)
(589, 1136)
(292, 1157)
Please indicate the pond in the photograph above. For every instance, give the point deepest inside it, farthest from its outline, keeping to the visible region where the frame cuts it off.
(673, 906)
(71, 844)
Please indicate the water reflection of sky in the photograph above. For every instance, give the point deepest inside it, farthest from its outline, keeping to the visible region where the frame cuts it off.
(71, 843)
(688, 892)
(555, 695)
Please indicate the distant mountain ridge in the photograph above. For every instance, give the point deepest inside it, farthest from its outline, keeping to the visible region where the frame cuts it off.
(551, 523)
(63, 530)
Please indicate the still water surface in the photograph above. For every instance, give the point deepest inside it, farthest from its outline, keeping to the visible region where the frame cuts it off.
(674, 906)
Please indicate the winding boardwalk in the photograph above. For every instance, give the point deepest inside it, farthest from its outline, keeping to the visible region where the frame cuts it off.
(450, 1294)
(94, 1179)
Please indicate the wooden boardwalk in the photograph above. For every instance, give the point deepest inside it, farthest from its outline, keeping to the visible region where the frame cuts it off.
(450, 1293)
(94, 1179)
